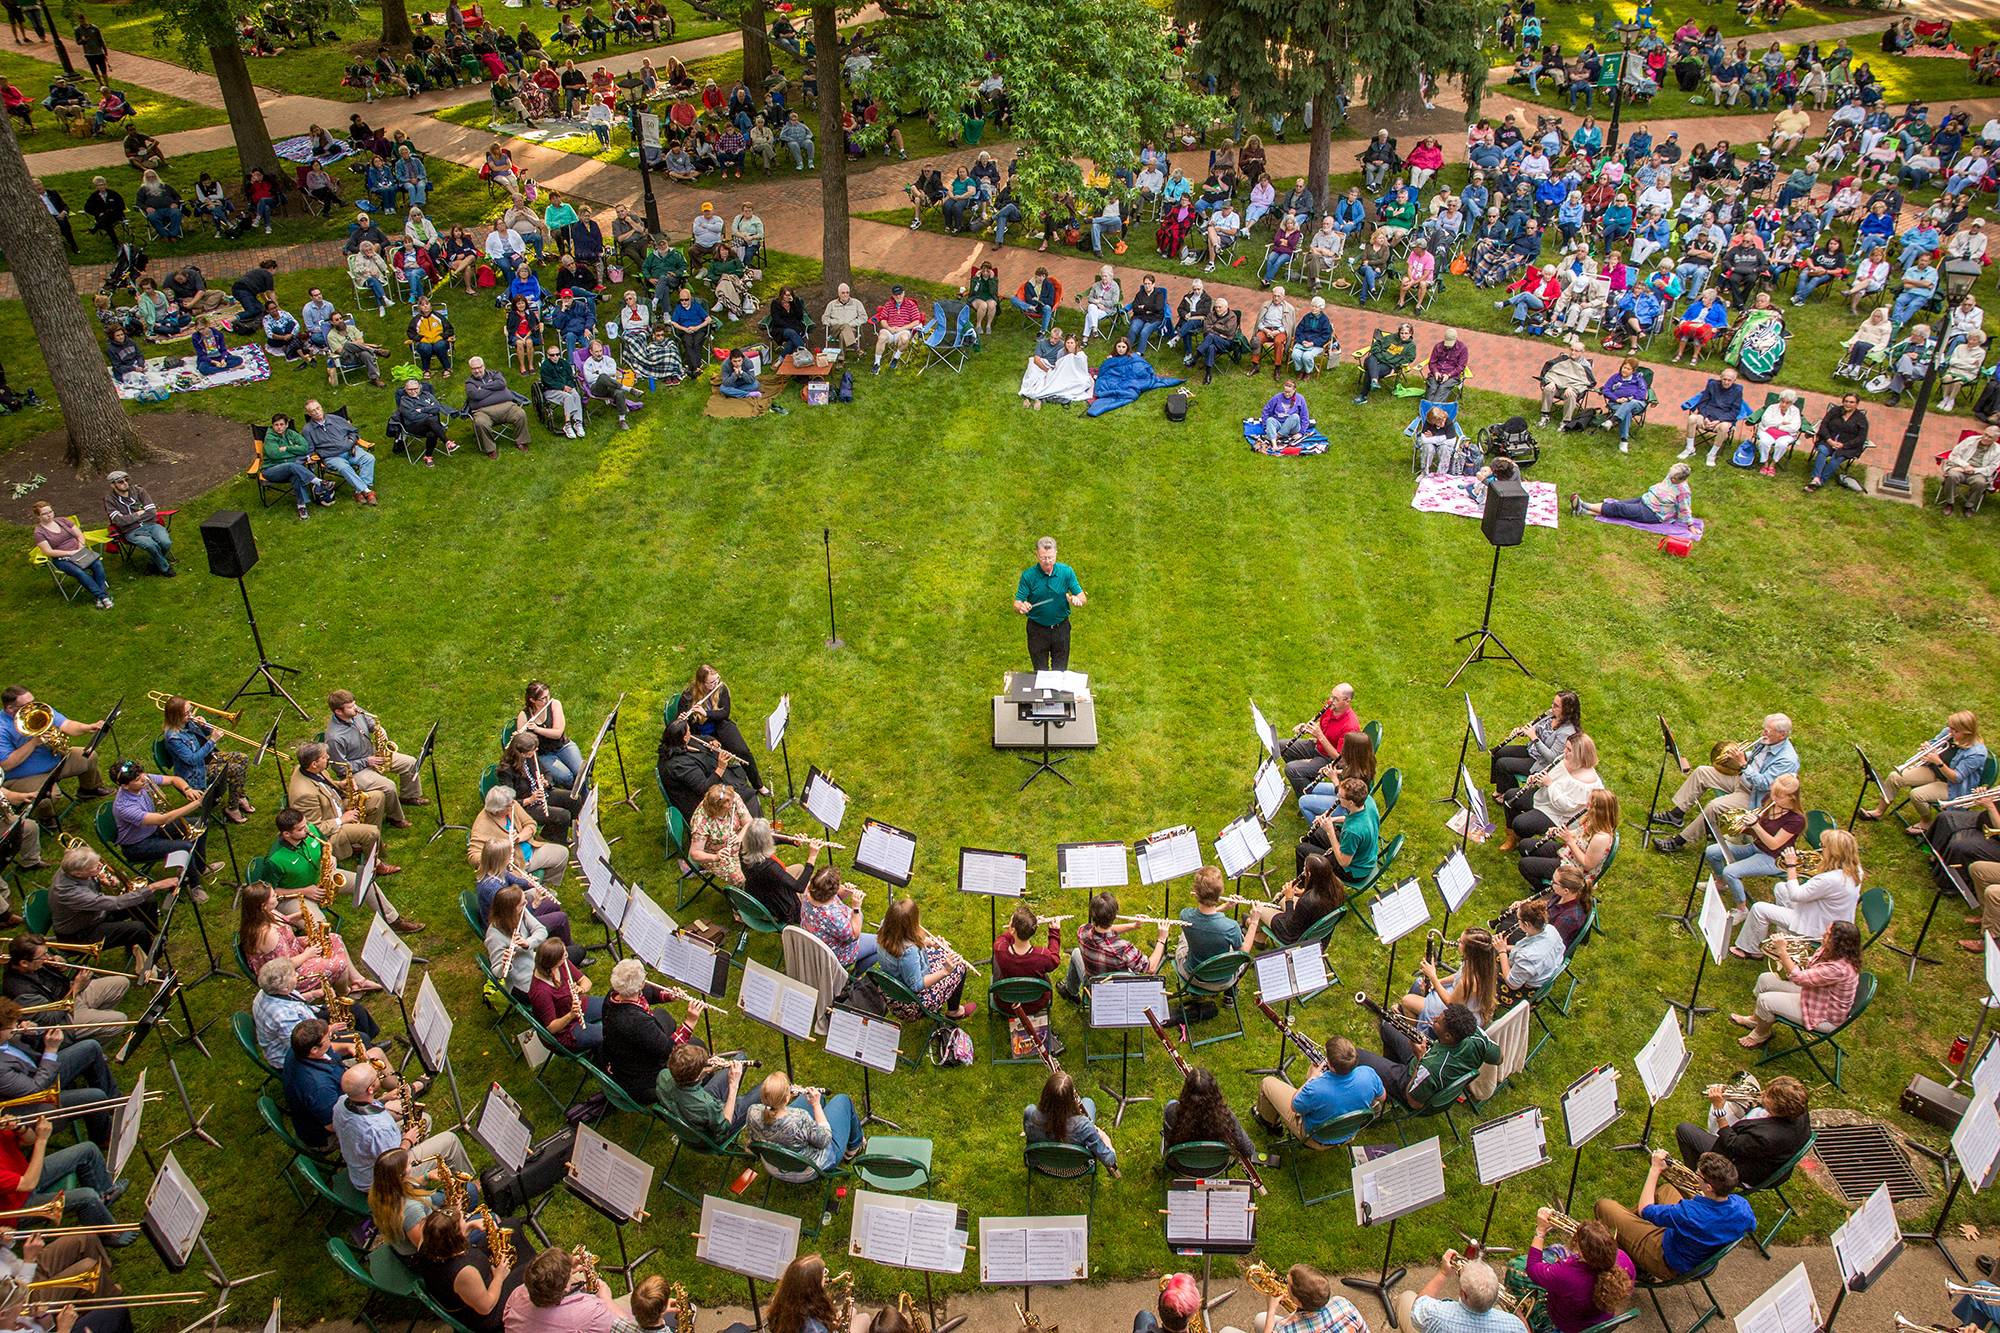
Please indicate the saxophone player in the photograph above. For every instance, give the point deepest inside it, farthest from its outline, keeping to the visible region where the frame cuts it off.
(295, 858)
(554, 1298)
(360, 747)
(1765, 760)
(1306, 1303)
(1951, 766)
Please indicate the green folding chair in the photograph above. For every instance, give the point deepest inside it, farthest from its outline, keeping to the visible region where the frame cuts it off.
(1373, 731)
(333, 1188)
(686, 1136)
(900, 995)
(105, 824)
(243, 963)
(1440, 1103)
(36, 914)
(1877, 906)
(488, 780)
(1213, 981)
(1384, 863)
(382, 1274)
(775, 1157)
(1807, 1039)
(245, 1029)
(676, 847)
(274, 1121)
(752, 915)
(1342, 1127)
(1775, 1183)
(1699, 1275)
(1817, 823)
(622, 1101)
(1018, 992)
(1589, 928)
(1615, 1321)
(1388, 790)
(1060, 1161)
(1202, 1159)
(894, 1164)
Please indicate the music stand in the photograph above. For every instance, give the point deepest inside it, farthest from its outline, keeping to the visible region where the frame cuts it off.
(1043, 708)
(1241, 849)
(1455, 879)
(1662, 1061)
(1502, 1148)
(505, 1131)
(1028, 1252)
(1975, 1147)
(1686, 916)
(1864, 1246)
(932, 1240)
(1669, 753)
(868, 1040)
(1987, 1003)
(427, 752)
(1869, 777)
(775, 729)
(608, 727)
(753, 1243)
(1395, 914)
(174, 1219)
(1915, 953)
(1388, 1188)
(1474, 734)
(152, 1016)
(1713, 935)
(1589, 1107)
(992, 875)
(1166, 856)
(266, 671)
(1120, 1001)
(614, 1183)
(1210, 1217)
(1298, 973)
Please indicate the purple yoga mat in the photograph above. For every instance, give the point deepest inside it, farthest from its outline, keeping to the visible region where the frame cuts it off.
(1691, 530)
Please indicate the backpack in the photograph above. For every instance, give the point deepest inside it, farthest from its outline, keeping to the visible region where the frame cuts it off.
(1177, 405)
(863, 996)
(845, 393)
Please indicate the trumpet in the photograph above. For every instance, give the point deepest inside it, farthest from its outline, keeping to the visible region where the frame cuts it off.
(1266, 1282)
(1978, 1293)
(1395, 1018)
(1797, 947)
(1970, 799)
(1928, 751)
(37, 721)
(1561, 1225)
(800, 840)
(160, 697)
(1033, 1322)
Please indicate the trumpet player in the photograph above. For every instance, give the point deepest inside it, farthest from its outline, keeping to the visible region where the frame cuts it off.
(551, 806)
(193, 752)
(769, 880)
(1806, 909)
(639, 1036)
(1431, 1311)
(1315, 744)
(380, 768)
(1667, 1235)
(1767, 759)
(25, 758)
(926, 965)
(294, 862)
(808, 1122)
(1757, 1139)
(34, 1060)
(1342, 1086)
(144, 829)
(1585, 1282)
(1770, 836)
(34, 976)
(367, 1126)
(32, 1173)
(1951, 766)
(550, 1299)
(1818, 995)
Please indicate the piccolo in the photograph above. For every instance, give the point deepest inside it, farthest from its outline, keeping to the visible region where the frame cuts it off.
(800, 840)
(680, 996)
(1164, 923)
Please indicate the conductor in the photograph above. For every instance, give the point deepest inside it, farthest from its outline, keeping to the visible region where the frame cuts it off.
(1046, 593)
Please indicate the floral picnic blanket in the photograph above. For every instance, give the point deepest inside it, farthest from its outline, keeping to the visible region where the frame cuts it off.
(1466, 498)
(157, 381)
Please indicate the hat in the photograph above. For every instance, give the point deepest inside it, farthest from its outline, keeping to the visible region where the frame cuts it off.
(1763, 150)
(124, 771)
(896, 290)
(565, 294)
(707, 207)
(117, 476)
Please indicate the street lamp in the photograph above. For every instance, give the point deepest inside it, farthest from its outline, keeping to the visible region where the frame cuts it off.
(1898, 478)
(634, 109)
(1625, 32)
(55, 35)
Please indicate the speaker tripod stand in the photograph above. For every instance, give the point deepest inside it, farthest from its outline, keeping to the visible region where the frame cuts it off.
(1484, 635)
(263, 678)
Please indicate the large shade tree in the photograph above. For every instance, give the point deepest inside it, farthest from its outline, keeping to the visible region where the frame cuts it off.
(101, 436)
(1085, 79)
(834, 240)
(396, 23)
(201, 31)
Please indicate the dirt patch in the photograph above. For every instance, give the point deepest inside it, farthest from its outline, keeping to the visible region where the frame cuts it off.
(199, 453)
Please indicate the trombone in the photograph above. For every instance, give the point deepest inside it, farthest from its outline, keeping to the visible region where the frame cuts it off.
(91, 950)
(95, 1108)
(160, 697)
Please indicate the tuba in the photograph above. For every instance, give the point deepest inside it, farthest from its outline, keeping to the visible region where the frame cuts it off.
(37, 721)
(1268, 1283)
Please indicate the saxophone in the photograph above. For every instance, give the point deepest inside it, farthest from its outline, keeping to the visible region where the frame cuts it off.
(499, 1248)
(1267, 1283)
(583, 1267)
(840, 1289)
(685, 1310)
(329, 871)
(379, 738)
(906, 1306)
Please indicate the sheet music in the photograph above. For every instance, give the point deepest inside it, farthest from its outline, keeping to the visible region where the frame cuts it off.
(1064, 682)
(363, 878)
(824, 801)
(863, 1038)
(606, 895)
(741, 1239)
(384, 953)
(1033, 1251)
(1663, 1058)
(1986, 1074)
(175, 1210)
(1003, 1254)
(1867, 1239)
(689, 960)
(1400, 1182)
(936, 1243)
(431, 1025)
(1001, 874)
(1241, 845)
(1267, 735)
(1714, 923)
(1787, 1306)
(1400, 911)
(1059, 1251)
(1992, 966)
(1976, 1141)
(1591, 1104)
(884, 1236)
(593, 853)
(774, 998)
(1476, 800)
(774, 725)
(1269, 787)
(1168, 854)
(1295, 973)
(501, 1128)
(125, 1126)
(1505, 1148)
(610, 1175)
(1455, 880)
(1187, 1216)
(1093, 865)
(1123, 1004)
(1472, 720)
(1229, 1215)
(647, 930)
(886, 852)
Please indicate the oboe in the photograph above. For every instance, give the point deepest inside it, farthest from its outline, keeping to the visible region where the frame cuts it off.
(1305, 1045)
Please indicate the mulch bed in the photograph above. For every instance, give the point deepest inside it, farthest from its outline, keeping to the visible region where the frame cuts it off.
(198, 453)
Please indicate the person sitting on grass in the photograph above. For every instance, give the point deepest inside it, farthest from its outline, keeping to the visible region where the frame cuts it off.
(1668, 501)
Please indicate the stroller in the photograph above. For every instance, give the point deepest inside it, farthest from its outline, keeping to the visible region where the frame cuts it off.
(1512, 438)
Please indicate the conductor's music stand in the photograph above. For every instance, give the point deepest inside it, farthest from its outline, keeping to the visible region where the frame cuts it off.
(1043, 708)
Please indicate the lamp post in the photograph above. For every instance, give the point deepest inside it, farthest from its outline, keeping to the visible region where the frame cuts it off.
(1898, 478)
(1625, 32)
(635, 108)
(55, 35)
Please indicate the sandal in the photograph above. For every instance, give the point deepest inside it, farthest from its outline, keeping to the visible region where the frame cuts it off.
(1871, 815)
(1744, 954)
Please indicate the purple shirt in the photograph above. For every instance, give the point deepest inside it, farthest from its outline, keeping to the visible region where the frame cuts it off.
(1571, 1287)
(1284, 405)
(130, 808)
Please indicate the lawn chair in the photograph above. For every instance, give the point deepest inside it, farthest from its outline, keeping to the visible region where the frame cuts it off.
(1060, 1161)
(1699, 1275)
(775, 1157)
(1343, 1127)
(1440, 1104)
(946, 335)
(1775, 1182)
(1877, 906)
(134, 554)
(752, 915)
(245, 1030)
(894, 1164)
(1424, 406)
(1018, 993)
(1807, 1039)
(1388, 790)
(1212, 981)
(686, 1136)
(67, 586)
(382, 1273)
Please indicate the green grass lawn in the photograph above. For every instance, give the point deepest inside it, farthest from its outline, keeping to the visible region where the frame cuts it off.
(612, 565)
(457, 195)
(159, 113)
(315, 70)
(1818, 329)
(1574, 24)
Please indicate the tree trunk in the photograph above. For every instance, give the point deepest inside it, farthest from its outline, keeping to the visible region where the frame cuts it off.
(101, 436)
(246, 116)
(756, 48)
(396, 24)
(834, 260)
(1319, 157)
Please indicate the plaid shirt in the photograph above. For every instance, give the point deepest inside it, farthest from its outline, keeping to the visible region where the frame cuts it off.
(1826, 992)
(1338, 1315)
(1104, 951)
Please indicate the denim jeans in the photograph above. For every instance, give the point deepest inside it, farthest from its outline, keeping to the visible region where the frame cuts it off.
(90, 575)
(1523, 302)
(436, 351)
(1097, 229)
(1272, 263)
(1008, 215)
(298, 474)
(1734, 861)
(1141, 332)
(93, 1178)
(166, 221)
(1625, 409)
(1908, 304)
(1693, 276)
(1810, 283)
(385, 200)
(356, 468)
(1283, 426)
(154, 540)
(802, 155)
(1317, 799)
(376, 290)
(842, 1123)
(1825, 464)
(262, 211)
(1047, 315)
(1632, 511)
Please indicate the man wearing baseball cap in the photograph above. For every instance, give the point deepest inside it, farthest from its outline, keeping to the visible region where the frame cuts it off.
(135, 521)
(146, 832)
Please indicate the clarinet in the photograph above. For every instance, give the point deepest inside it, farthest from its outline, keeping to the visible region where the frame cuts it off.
(1304, 1044)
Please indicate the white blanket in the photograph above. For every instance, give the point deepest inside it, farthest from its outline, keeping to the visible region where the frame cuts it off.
(1068, 381)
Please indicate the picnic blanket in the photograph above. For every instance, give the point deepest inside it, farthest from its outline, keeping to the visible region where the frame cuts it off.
(159, 381)
(1120, 381)
(1691, 530)
(1312, 442)
(721, 405)
(298, 148)
(1465, 497)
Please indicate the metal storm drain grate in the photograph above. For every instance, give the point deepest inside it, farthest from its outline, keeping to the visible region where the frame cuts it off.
(1860, 1157)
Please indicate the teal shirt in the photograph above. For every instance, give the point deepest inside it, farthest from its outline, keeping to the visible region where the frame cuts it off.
(1209, 935)
(1053, 588)
(1360, 839)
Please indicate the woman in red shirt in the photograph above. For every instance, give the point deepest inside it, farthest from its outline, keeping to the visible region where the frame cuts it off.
(1015, 955)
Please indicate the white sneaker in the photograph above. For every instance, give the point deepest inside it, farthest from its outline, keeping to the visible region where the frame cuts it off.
(1712, 453)
(1624, 446)
(1738, 915)
(1684, 454)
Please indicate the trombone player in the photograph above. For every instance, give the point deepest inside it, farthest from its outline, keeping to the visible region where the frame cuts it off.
(35, 976)
(1764, 761)
(35, 738)
(361, 748)
(36, 1060)
(191, 741)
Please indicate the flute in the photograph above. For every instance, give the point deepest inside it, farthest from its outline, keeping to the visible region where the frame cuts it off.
(801, 840)
(1164, 923)
(680, 996)
(951, 953)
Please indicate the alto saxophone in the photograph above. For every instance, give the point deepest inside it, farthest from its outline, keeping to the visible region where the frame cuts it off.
(379, 739)
(1267, 1283)
(499, 1248)
(685, 1310)
(583, 1267)
(840, 1289)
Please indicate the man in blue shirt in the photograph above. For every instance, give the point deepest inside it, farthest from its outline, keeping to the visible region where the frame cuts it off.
(1045, 594)
(1713, 413)
(1340, 1087)
(367, 1128)
(1667, 1239)
(311, 1079)
(1767, 759)
(25, 761)
(1208, 931)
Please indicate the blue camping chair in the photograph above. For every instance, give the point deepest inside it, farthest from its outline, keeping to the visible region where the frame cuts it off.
(946, 336)
(1424, 406)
